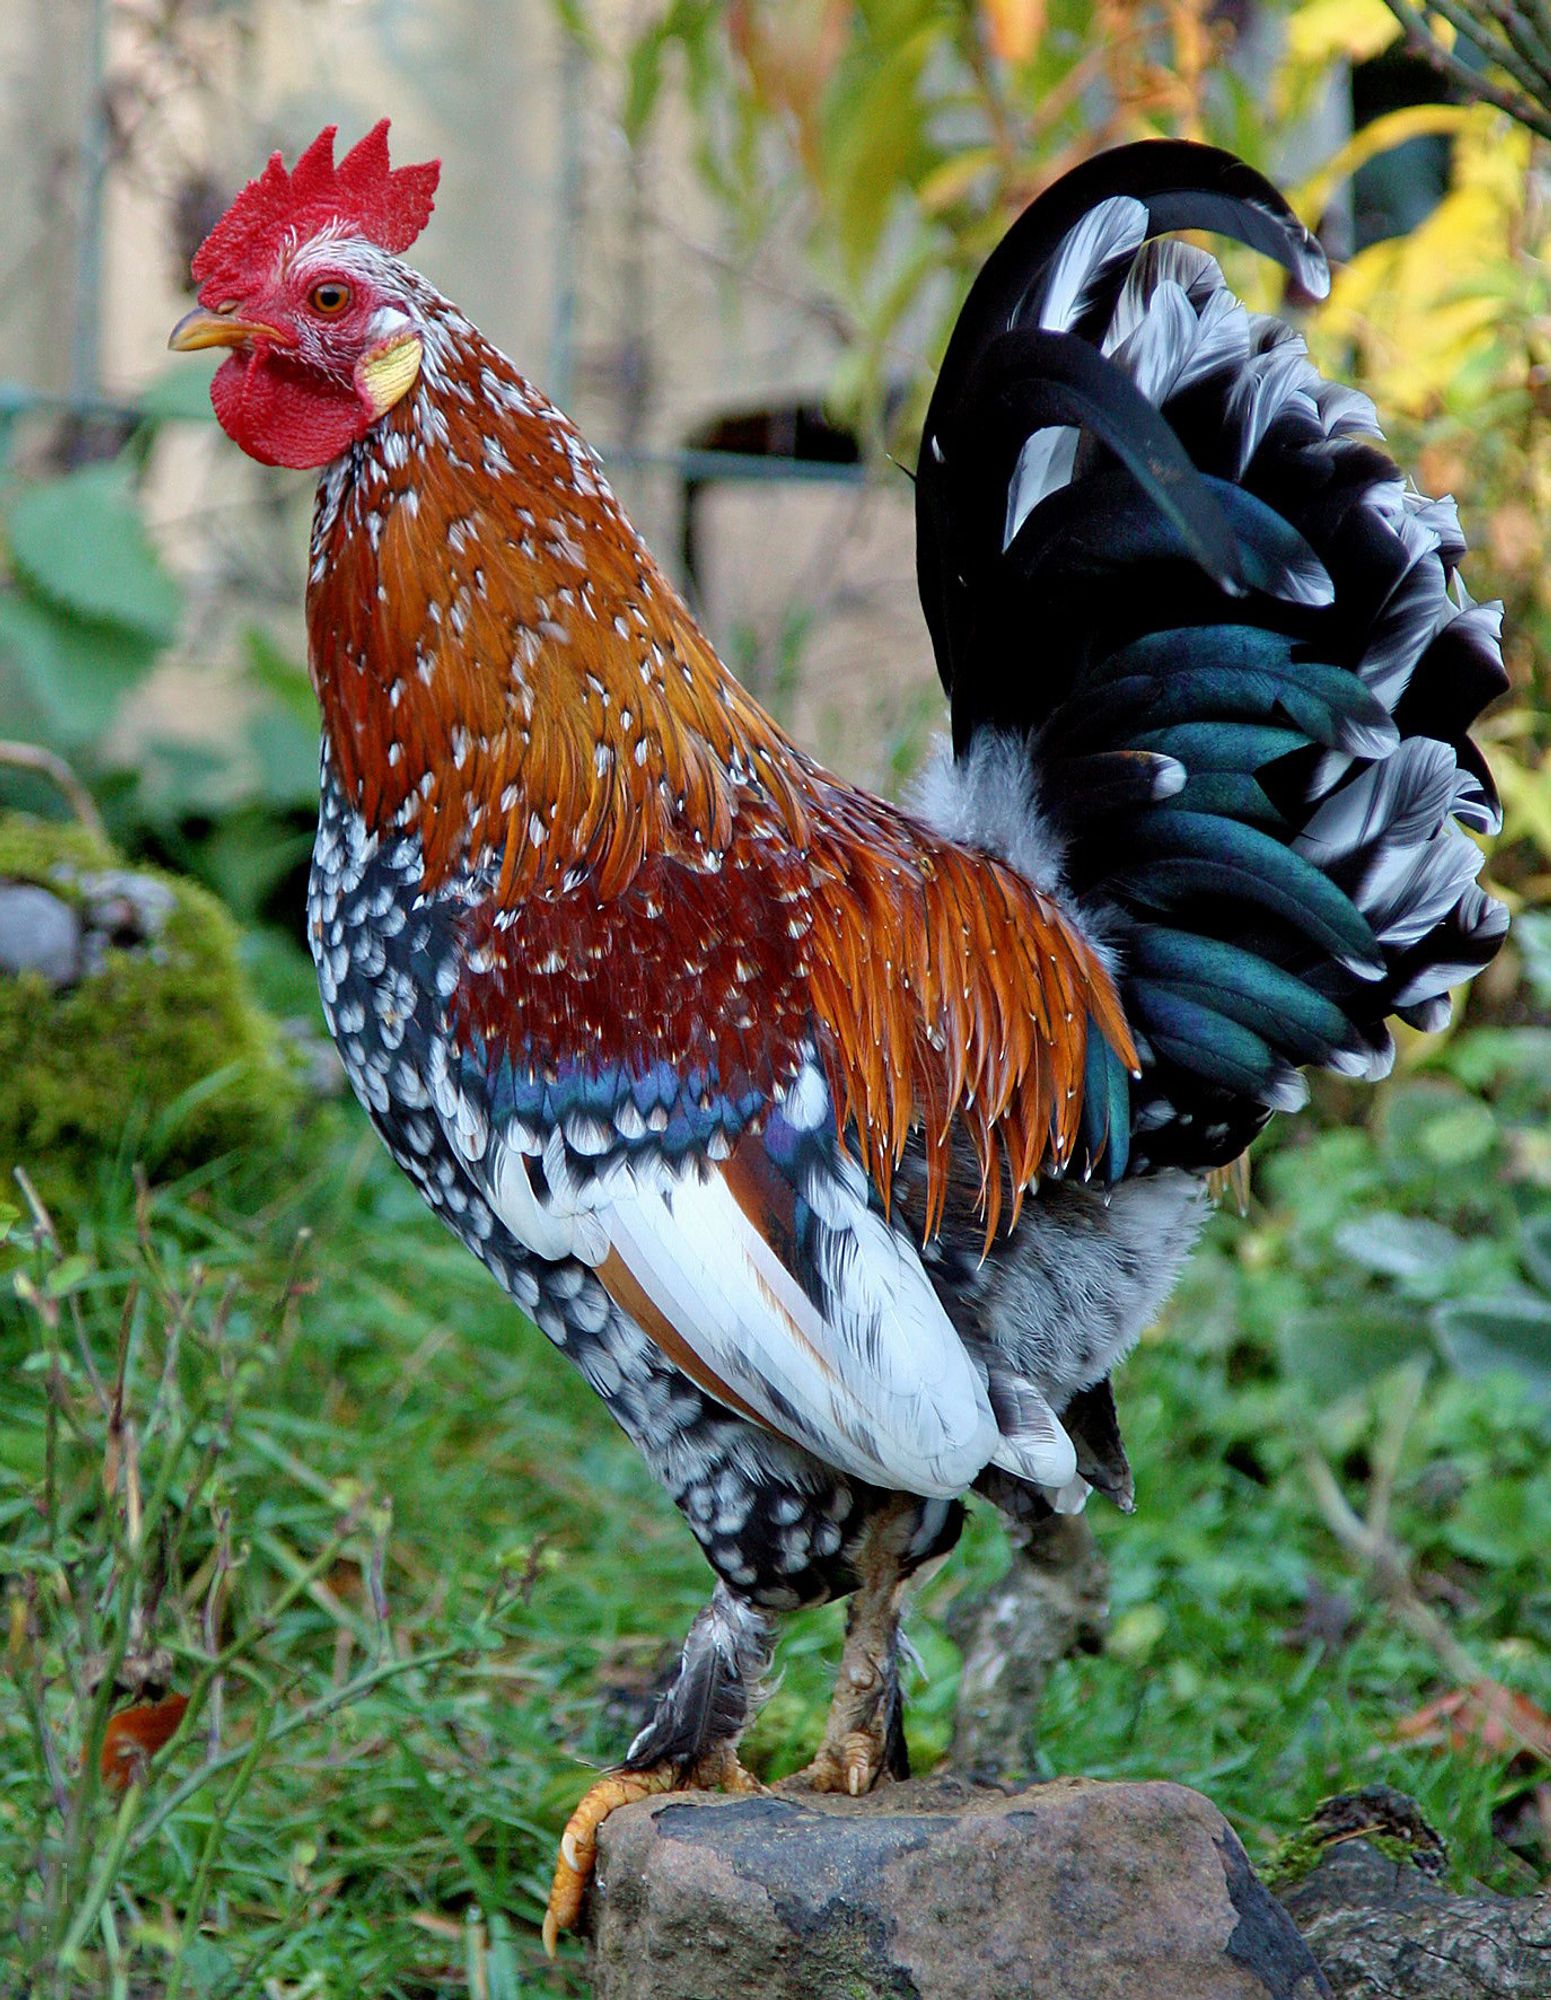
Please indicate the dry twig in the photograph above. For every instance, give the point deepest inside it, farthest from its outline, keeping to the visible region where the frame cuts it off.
(1371, 1543)
(1514, 36)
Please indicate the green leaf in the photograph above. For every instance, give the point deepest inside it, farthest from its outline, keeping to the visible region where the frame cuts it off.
(1135, 1633)
(1429, 1124)
(1502, 1520)
(79, 541)
(279, 675)
(176, 781)
(1532, 934)
(891, 20)
(573, 17)
(877, 145)
(1331, 1350)
(643, 80)
(1459, 1137)
(26, 717)
(693, 25)
(209, 1968)
(69, 1273)
(178, 395)
(1321, 1181)
(286, 752)
(77, 672)
(1399, 1246)
(1484, 1055)
(1535, 1249)
(249, 852)
(1484, 1336)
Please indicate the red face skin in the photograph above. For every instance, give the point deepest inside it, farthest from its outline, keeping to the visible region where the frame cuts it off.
(292, 392)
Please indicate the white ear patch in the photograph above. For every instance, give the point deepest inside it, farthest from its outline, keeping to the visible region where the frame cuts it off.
(387, 323)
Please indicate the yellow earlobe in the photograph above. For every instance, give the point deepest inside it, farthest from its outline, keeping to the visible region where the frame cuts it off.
(388, 372)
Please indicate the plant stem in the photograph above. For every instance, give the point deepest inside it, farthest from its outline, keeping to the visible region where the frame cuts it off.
(1390, 1568)
(315, 1711)
(92, 1903)
(33, 757)
(217, 1827)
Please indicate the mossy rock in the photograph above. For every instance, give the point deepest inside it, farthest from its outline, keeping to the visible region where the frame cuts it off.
(156, 1053)
(1385, 1819)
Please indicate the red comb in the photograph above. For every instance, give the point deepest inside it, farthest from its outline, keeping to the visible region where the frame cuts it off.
(387, 205)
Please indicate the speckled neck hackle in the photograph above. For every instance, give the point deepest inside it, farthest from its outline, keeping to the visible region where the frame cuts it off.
(505, 671)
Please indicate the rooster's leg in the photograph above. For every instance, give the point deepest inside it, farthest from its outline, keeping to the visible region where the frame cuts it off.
(690, 1743)
(864, 1739)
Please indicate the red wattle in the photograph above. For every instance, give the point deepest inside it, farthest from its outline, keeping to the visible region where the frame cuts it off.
(284, 415)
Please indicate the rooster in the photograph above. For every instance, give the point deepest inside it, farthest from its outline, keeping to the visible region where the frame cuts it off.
(846, 1148)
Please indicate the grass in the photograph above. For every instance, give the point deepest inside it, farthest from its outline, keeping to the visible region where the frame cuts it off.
(274, 1441)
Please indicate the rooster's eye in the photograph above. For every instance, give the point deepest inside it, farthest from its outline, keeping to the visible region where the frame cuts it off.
(330, 297)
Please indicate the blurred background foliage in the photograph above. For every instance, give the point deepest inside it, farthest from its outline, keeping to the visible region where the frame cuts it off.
(340, 1501)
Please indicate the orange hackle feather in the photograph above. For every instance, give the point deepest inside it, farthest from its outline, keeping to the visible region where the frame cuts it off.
(504, 670)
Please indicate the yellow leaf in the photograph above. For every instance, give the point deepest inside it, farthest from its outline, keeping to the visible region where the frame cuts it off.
(1421, 308)
(1321, 30)
(1399, 302)
(1493, 154)
(950, 182)
(1014, 27)
(1393, 129)
(1526, 796)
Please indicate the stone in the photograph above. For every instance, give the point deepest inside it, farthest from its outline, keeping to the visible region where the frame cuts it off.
(938, 1890)
(38, 933)
(126, 903)
(1379, 1927)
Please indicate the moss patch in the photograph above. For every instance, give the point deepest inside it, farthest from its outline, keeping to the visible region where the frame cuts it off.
(160, 1055)
(1293, 1858)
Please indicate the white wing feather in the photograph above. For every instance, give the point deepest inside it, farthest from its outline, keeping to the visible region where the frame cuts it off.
(878, 1383)
(871, 1375)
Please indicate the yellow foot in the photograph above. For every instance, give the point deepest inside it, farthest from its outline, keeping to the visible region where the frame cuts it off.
(861, 1761)
(719, 1770)
(851, 1763)
(853, 1756)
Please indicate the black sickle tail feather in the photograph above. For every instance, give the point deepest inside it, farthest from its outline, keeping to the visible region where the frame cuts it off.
(1159, 549)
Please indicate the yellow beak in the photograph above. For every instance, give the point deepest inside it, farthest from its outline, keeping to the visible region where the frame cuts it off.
(208, 329)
